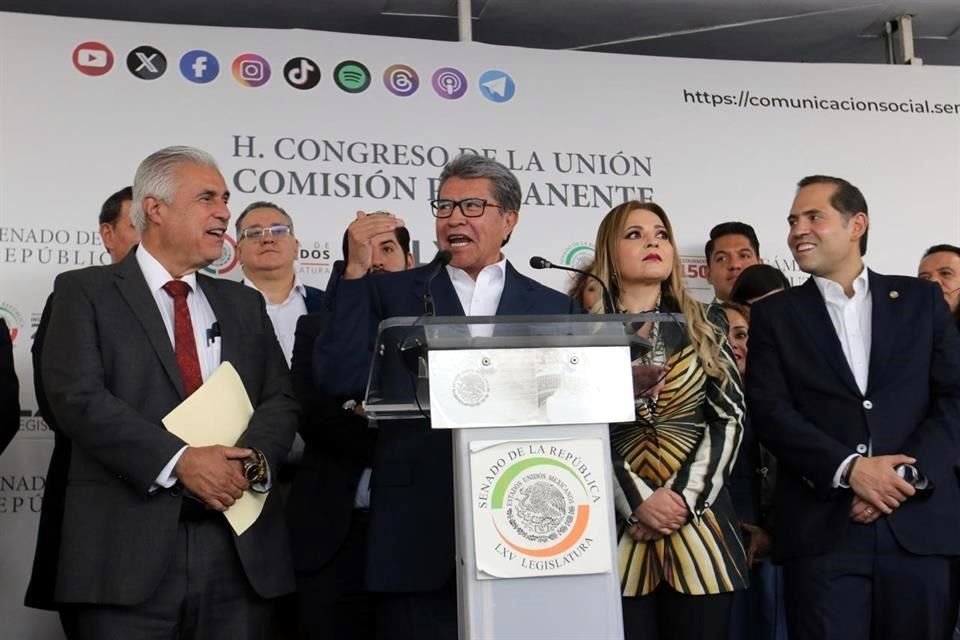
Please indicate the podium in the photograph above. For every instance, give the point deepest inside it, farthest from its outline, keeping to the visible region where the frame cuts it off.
(529, 400)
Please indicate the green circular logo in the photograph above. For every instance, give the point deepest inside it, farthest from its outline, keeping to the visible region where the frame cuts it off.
(578, 255)
(352, 76)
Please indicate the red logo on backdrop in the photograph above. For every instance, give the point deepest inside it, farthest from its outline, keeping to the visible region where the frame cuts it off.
(695, 273)
(93, 58)
(228, 258)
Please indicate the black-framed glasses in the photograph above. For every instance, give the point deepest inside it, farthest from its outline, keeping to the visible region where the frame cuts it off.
(470, 207)
(273, 231)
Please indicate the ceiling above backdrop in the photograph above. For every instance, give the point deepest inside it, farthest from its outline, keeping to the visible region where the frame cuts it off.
(771, 30)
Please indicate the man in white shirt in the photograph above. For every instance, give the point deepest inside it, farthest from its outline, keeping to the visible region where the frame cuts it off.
(146, 552)
(267, 250)
(854, 383)
(411, 501)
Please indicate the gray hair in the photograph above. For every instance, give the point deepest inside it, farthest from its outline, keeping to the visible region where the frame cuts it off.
(506, 187)
(156, 177)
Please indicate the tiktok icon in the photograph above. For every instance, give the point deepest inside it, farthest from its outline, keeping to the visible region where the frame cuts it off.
(301, 73)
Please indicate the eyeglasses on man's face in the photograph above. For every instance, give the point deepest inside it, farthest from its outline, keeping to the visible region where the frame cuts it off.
(470, 207)
(273, 231)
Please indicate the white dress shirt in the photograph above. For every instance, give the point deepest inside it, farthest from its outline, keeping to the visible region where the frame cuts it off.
(203, 319)
(284, 315)
(852, 319)
(479, 297)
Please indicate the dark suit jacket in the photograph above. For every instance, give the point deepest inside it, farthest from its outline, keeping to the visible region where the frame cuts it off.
(809, 411)
(744, 483)
(313, 299)
(110, 375)
(411, 541)
(9, 389)
(43, 578)
(339, 445)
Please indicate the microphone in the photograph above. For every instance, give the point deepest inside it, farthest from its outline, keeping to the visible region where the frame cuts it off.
(412, 350)
(542, 263)
(439, 261)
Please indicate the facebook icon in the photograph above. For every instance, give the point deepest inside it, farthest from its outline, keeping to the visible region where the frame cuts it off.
(199, 66)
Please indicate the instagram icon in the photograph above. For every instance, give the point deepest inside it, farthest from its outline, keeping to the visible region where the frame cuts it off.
(251, 70)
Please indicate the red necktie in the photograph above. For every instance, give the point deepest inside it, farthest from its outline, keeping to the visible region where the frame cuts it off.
(185, 345)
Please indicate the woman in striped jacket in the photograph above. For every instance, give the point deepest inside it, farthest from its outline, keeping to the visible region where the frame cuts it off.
(681, 554)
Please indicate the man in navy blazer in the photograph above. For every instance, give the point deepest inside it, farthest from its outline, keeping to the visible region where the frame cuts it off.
(854, 383)
(328, 506)
(411, 541)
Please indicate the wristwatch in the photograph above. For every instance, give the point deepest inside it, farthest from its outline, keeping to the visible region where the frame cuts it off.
(255, 468)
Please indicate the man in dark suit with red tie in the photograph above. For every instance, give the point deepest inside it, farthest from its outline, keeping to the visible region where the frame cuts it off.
(146, 552)
(854, 384)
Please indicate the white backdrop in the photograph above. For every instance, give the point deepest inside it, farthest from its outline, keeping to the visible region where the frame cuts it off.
(710, 141)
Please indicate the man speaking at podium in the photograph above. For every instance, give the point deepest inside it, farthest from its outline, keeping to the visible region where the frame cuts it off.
(410, 562)
(146, 552)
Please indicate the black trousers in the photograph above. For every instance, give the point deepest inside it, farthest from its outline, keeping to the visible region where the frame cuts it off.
(424, 616)
(204, 595)
(668, 615)
(333, 602)
(869, 588)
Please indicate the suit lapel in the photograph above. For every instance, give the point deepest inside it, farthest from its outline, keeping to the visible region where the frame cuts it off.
(135, 291)
(516, 299)
(230, 334)
(445, 299)
(816, 321)
(882, 329)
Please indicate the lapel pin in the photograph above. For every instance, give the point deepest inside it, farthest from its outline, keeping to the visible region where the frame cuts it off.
(894, 295)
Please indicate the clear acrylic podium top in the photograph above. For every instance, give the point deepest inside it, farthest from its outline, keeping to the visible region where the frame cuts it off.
(493, 371)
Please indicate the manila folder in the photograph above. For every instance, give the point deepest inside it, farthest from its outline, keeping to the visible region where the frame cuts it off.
(218, 413)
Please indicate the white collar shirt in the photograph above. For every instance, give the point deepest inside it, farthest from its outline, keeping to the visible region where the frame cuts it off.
(201, 313)
(205, 331)
(852, 319)
(480, 297)
(284, 315)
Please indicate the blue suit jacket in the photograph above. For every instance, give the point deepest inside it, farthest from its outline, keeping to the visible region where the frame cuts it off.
(338, 446)
(809, 411)
(411, 541)
(313, 299)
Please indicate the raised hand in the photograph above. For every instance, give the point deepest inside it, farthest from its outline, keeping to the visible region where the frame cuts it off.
(360, 235)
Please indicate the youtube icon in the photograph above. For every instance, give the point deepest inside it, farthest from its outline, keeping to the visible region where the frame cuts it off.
(92, 58)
